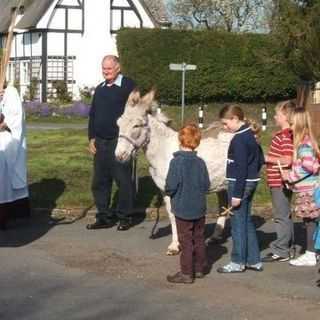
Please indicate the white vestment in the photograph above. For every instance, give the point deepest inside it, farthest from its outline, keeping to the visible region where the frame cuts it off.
(13, 171)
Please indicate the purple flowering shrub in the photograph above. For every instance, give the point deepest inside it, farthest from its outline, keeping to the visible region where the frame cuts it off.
(76, 109)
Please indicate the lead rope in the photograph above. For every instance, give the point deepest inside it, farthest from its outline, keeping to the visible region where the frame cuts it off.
(134, 174)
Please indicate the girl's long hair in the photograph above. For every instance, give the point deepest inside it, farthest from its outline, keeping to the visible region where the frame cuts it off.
(231, 110)
(301, 127)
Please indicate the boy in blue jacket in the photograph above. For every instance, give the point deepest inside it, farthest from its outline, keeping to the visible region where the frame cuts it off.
(187, 184)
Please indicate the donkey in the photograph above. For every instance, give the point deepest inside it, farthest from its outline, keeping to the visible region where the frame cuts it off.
(141, 128)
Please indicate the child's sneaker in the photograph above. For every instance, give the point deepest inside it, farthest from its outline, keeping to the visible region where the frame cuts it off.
(271, 257)
(255, 267)
(308, 259)
(231, 267)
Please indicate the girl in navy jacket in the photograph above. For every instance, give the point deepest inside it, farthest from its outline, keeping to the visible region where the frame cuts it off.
(244, 162)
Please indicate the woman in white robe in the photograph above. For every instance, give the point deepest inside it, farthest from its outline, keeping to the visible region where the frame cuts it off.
(13, 171)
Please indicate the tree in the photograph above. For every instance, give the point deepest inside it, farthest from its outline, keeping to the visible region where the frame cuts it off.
(297, 26)
(229, 15)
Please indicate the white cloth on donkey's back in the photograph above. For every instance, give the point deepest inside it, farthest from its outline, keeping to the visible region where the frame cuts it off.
(13, 171)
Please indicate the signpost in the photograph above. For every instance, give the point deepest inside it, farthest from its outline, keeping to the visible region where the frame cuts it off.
(183, 67)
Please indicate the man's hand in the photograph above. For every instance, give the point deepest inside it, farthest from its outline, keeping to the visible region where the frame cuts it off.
(235, 202)
(92, 146)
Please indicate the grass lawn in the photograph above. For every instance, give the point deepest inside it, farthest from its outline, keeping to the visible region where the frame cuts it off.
(60, 167)
(60, 171)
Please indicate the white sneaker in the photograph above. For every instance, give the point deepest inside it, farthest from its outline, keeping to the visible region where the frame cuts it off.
(308, 259)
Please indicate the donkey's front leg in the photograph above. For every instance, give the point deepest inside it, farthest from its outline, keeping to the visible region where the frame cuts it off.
(173, 248)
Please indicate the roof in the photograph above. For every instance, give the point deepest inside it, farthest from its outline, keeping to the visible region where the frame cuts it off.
(5, 9)
(157, 10)
(37, 8)
(34, 13)
(31, 17)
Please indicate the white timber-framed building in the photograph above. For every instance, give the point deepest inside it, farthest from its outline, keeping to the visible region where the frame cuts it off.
(66, 39)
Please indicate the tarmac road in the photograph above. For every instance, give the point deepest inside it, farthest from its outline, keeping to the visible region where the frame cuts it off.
(63, 271)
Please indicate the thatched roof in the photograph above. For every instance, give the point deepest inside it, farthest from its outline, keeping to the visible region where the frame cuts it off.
(157, 10)
(37, 8)
(31, 17)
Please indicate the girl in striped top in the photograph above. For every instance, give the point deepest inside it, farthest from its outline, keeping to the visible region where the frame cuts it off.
(302, 177)
(280, 152)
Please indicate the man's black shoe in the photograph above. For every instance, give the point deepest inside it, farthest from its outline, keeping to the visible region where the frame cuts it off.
(274, 258)
(99, 224)
(124, 225)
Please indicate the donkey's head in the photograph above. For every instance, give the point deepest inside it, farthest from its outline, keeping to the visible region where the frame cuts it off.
(134, 130)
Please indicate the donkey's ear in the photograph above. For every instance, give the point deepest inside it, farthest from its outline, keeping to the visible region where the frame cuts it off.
(148, 99)
(134, 98)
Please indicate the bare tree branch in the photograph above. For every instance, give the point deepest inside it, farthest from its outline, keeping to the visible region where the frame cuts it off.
(230, 15)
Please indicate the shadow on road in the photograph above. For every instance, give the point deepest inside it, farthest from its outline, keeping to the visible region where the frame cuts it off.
(161, 232)
(265, 238)
(21, 232)
(147, 192)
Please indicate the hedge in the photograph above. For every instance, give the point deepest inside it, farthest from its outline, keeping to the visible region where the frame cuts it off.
(231, 67)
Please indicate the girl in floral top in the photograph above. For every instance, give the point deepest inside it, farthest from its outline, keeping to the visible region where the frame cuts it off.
(303, 177)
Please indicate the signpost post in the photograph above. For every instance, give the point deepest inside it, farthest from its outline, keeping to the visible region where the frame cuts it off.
(183, 67)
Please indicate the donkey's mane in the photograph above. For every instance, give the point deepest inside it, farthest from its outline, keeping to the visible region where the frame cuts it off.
(213, 130)
(162, 124)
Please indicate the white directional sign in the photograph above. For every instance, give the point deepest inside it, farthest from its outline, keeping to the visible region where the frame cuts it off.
(183, 67)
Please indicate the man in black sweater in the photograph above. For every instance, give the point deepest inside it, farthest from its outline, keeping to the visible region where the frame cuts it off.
(108, 104)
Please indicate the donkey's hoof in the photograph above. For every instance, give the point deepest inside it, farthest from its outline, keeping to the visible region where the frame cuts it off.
(173, 252)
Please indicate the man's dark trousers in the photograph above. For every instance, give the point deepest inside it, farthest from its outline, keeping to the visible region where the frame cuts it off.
(107, 169)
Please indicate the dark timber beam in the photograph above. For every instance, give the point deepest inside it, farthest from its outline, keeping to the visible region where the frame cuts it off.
(44, 66)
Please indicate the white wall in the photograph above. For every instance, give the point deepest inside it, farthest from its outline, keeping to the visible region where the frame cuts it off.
(55, 44)
(45, 20)
(94, 44)
(97, 40)
(147, 22)
(57, 20)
